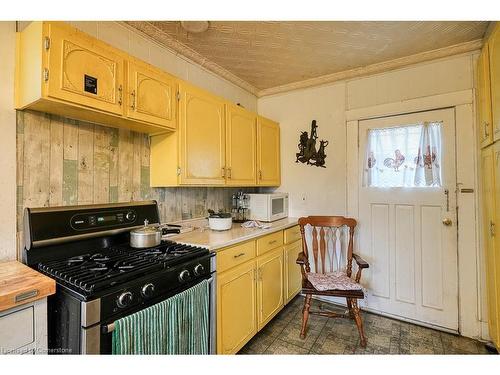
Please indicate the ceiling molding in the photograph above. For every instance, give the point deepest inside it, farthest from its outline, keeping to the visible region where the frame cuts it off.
(376, 68)
(188, 53)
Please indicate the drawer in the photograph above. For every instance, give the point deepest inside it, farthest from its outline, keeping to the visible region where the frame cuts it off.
(269, 242)
(292, 234)
(232, 256)
(16, 329)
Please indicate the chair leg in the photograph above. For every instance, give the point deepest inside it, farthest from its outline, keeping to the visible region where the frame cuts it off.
(359, 323)
(305, 315)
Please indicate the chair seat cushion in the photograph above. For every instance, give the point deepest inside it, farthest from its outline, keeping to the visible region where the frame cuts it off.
(332, 281)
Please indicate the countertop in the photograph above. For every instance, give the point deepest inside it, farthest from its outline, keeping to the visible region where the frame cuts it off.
(18, 280)
(215, 240)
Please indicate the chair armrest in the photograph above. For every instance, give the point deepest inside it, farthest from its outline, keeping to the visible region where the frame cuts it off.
(360, 261)
(301, 259)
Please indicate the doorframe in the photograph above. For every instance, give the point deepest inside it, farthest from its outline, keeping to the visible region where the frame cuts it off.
(470, 294)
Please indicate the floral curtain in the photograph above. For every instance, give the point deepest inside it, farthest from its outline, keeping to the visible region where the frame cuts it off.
(406, 156)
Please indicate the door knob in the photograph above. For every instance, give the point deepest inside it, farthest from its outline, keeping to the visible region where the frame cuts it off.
(447, 221)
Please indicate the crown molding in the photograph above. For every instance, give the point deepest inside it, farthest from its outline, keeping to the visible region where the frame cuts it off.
(402, 62)
(165, 40)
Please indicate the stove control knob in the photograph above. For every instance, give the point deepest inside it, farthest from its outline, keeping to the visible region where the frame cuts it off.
(198, 269)
(184, 276)
(130, 216)
(148, 290)
(124, 300)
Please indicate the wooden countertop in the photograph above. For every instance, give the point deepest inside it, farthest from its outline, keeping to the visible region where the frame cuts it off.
(18, 280)
(215, 240)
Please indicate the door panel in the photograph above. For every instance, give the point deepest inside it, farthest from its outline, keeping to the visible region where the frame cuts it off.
(412, 254)
(494, 60)
(84, 71)
(293, 275)
(485, 128)
(490, 188)
(236, 308)
(202, 141)
(405, 256)
(269, 286)
(151, 95)
(268, 153)
(241, 146)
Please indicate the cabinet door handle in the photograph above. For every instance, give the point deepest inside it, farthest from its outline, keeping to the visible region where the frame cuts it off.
(239, 255)
(223, 172)
(486, 134)
(492, 229)
(132, 105)
(229, 173)
(260, 174)
(120, 93)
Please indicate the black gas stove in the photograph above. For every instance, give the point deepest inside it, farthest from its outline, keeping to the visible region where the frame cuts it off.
(100, 277)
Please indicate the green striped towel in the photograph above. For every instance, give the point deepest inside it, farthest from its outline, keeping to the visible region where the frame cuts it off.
(178, 325)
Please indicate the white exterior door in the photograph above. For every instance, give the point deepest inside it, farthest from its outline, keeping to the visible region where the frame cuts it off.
(403, 232)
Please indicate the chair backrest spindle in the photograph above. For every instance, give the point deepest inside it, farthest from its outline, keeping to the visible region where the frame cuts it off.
(325, 236)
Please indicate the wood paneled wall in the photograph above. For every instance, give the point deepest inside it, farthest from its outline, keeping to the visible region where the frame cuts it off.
(67, 162)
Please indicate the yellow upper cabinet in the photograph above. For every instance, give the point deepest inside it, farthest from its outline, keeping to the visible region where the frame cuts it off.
(64, 71)
(241, 146)
(82, 70)
(268, 152)
(202, 158)
(151, 94)
(494, 62)
(485, 129)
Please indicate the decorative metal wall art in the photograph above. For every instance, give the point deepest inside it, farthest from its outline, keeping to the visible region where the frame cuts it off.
(307, 148)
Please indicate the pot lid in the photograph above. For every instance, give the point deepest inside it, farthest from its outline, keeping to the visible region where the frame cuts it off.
(146, 229)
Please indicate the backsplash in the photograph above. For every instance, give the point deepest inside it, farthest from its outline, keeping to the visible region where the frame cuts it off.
(66, 162)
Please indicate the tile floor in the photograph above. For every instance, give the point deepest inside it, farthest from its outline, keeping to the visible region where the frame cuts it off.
(340, 336)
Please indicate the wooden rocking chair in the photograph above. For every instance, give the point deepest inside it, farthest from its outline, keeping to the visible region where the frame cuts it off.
(325, 280)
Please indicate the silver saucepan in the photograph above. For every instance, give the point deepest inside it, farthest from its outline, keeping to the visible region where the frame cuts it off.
(146, 236)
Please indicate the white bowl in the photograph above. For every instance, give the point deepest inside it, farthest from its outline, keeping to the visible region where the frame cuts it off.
(220, 223)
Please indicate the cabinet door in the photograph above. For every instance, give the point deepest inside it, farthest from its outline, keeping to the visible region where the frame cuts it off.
(495, 256)
(241, 146)
(268, 152)
(484, 99)
(494, 59)
(269, 286)
(151, 95)
(488, 189)
(236, 308)
(293, 275)
(201, 127)
(83, 70)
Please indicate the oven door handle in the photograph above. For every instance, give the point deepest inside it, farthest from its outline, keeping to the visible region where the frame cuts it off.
(108, 328)
(111, 327)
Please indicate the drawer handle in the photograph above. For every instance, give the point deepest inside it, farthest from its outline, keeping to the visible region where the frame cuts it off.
(26, 295)
(239, 255)
(271, 242)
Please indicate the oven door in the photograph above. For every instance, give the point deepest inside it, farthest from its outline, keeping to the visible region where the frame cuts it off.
(98, 339)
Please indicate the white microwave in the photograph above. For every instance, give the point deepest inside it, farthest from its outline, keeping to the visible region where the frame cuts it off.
(268, 207)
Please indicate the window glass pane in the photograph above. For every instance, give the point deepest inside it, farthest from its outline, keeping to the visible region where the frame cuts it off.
(406, 156)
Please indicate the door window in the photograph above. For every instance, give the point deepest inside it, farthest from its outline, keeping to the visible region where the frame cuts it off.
(404, 156)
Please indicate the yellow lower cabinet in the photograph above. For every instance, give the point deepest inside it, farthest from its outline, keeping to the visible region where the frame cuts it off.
(236, 308)
(293, 276)
(488, 198)
(269, 286)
